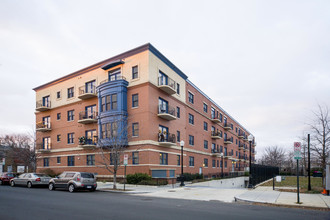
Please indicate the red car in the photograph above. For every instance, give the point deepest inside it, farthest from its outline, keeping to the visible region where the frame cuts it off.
(5, 178)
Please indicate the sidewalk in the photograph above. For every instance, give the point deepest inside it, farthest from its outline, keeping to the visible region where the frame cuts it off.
(269, 196)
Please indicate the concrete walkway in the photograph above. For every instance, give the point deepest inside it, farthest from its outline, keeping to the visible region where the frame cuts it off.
(208, 192)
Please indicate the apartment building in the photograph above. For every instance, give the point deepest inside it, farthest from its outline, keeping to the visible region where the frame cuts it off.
(149, 105)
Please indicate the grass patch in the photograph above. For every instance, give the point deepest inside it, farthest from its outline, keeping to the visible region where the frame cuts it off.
(291, 181)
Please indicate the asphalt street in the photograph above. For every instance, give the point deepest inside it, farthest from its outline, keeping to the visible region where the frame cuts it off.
(40, 203)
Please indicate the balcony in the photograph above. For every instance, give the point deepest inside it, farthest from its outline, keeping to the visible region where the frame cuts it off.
(245, 138)
(227, 126)
(228, 155)
(215, 119)
(42, 106)
(43, 126)
(240, 135)
(166, 139)
(44, 147)
(215, 152)
(87, 92)
(87, 117)
(115, 78)
(215, 135)
(228, 141)
(168, 85)
(241, 158)
(166, 112)
(88, 142)
(241, 147)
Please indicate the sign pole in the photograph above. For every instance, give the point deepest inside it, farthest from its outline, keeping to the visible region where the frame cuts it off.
(125, 179)
(298, 199)
(309, 164)
(125, 163)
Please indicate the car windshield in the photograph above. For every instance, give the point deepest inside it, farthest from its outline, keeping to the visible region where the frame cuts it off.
(87, 175)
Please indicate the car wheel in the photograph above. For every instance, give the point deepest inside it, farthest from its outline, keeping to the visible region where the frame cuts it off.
(12, 183)
(51, 186)
(71, 188)
(29, 185)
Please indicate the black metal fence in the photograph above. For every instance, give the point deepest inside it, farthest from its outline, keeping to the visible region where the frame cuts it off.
(261, 173)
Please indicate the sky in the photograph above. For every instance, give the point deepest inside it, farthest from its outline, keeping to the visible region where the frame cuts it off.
(264, 62)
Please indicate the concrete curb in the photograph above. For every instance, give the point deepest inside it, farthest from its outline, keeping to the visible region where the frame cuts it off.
(280, 205)
(125, 192)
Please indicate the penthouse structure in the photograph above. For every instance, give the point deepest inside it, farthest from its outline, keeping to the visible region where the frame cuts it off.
(144, 94)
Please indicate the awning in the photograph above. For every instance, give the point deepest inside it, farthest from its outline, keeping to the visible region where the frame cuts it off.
(112, 64)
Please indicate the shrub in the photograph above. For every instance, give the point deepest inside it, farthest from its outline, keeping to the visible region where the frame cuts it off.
(137, 178)
(153, 182)
(191, 177)
(246, 173)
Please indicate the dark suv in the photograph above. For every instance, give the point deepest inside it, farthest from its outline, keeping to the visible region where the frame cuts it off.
(73, 181)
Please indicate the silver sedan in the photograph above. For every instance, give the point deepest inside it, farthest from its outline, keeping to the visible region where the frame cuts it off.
(30, 180)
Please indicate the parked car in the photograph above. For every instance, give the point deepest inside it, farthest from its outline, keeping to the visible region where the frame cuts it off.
(30, 180)
(74, 181)
(6, 177)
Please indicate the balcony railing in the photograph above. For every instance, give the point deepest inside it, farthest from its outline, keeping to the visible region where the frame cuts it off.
(215, 152)
(166, 139)
(88, 142)
(43, 126)
(227, 126)
(42, 105)
(228, 140)
(87, 117)
(167, 85)
(113, 79)
(228, 154)
(216, 135)
(166, 112)
(87, 92)
(241, 135)
(44, 147)
(215, 119)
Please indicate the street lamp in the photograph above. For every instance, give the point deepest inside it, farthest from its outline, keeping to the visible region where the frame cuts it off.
(250, 138)
(182, 180)
(221, 155)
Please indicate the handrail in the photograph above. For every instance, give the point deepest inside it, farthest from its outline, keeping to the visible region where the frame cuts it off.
(111, 80)
(167, 110)
(41, 103)
(170, 82)
(42, 124)
(216, 133)
(87, 115)
(90, 89)
(166, 137)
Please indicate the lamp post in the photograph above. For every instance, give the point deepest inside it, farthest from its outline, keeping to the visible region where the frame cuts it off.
(250, 138)
(182, 180)
(221, 154)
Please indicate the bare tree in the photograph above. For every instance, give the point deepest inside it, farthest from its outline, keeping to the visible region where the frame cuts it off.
(273, 156)
(320, 136)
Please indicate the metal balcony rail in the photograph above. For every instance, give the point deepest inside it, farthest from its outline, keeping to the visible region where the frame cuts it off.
(42, 104)
(227, 125)
(240, 133)
(166, 109)
(166, 137)
(113, 79)
(215, 151)
(162, 81)
(89, 89)
(87, 115)
(44, 146)
(214, 117)
(42, 124)
(229, 139)
(216, 133)
(84, 140)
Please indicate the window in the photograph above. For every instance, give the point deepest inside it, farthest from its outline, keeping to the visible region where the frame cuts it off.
(190, 97)
(58, 138)
(178, 160)
(191, 119)
(236, 129)
(206, 144)
(45, 101)
(58, 116)
(71, 115)
(135, 72)
(46, 122)
(114, 74)
(70, 92)
(163, 106)
(135, 157)
(191, 140)
(178, 136)
(90, 160)
(220, 117)
(213, 147)
(163, 158)
(58, 159)
(178, 112)
(58, 95)
(135, 129)
(206, 162)
(70, 138)
(221, 164)
(114, 102)
(217, 163)
(205, 107)
(212, 113)
(89, 87)
(231, 126)
(205, 126)
(213, 163)
(135, 100)
(46, 143)
(178, 88)
(70, 161)
(162, 79)
(191, 161)
(225, 164)
(109, 102)
(46, 162)
(90, 137)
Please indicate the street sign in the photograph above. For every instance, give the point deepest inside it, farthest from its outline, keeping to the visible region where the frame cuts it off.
(125, 159)
(297, 150)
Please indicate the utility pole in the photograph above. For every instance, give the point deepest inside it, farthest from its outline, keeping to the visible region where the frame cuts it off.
(309, 163)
